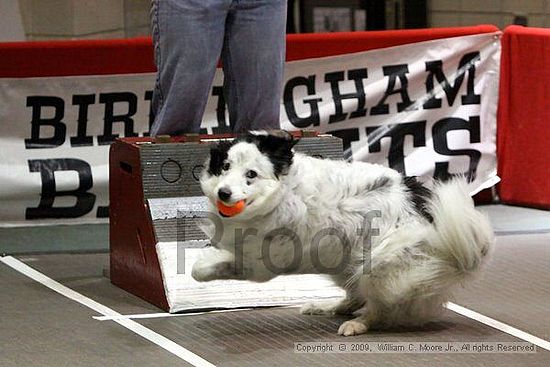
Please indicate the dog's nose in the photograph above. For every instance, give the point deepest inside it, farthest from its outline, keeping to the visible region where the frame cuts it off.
(224, 193)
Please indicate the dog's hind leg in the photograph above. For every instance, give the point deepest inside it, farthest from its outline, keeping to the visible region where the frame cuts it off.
(368, 316)
(356, 326)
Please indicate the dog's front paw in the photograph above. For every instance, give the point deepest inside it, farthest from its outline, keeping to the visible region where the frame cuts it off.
(329, 308)
(318, 308)
(204, 271)
(352, 327)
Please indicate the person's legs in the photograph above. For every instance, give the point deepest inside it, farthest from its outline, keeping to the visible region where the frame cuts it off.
(253, 59)
(188, 37)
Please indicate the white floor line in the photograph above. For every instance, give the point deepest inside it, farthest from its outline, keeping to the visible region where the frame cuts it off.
(140, 330)
(191, 357)
(499, 325)
(166, 314)
(163, 314)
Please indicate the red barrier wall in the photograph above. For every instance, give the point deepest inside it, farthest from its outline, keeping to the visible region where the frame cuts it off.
(524, 117)
(126, 56)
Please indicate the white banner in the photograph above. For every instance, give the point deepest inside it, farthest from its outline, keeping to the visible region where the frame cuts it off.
(426, 109)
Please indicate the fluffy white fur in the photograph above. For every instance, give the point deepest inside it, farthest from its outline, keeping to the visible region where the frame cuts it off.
(414, 262)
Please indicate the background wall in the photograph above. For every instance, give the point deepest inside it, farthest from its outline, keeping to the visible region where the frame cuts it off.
(445, 13)
(11, 26)
(72, 19)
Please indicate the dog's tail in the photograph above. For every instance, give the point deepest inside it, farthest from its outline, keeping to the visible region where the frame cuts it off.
(461, 235)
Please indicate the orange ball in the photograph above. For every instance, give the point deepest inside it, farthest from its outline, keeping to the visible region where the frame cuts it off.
(230, 211)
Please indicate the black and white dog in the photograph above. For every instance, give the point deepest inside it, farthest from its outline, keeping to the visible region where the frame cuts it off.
(394, 245)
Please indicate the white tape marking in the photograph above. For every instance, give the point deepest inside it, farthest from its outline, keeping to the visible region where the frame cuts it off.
(163, 314)
(499, 325)
(187, 355)
(166, 314)
(141, 330)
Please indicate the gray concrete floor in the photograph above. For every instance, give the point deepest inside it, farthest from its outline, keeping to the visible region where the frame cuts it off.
(39, 327)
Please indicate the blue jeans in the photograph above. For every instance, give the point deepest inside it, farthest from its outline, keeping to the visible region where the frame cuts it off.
(190, 35)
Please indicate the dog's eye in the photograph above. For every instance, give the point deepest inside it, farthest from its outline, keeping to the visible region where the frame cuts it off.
(226, 166)
(251, 174)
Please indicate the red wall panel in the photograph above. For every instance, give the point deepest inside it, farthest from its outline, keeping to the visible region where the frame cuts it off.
(524, 117)
(135, 55)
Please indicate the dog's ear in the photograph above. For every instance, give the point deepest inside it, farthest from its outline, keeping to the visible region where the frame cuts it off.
(218, 154)
(273, 139)
(284, 136)
(277, 145)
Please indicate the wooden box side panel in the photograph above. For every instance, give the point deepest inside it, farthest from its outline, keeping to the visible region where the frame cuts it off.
(133, 258)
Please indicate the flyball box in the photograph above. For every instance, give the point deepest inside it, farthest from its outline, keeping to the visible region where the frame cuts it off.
(152, 182)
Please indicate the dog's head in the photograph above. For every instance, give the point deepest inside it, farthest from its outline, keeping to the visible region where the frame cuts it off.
(248, 170)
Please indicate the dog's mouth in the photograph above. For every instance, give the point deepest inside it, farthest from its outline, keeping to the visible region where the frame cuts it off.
(230, 210)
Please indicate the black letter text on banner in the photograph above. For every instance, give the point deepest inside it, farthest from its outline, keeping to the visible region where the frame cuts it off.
(441, 145)
(109, 99)
(38, 103)
(357, 75)
(466, 65)
(394, 72)
(289, 100)
(84, 200)
(397, 133)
